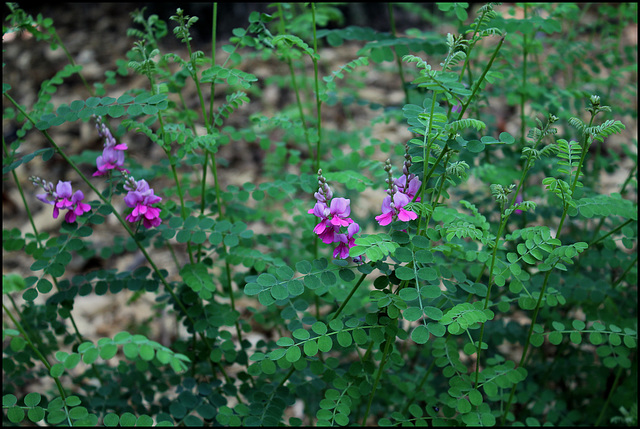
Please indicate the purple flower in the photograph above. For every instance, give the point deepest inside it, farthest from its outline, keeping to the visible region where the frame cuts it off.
(78, 207)
(457, 108)
(412, 189)
(519, 199)
(401, 192)
(396, 209)
(109, 160)
(141, 198)
(62, 198)
(400, 200)
(340, 210)
(332, 217)
(112, 157)
(387, 212)
(346, 241)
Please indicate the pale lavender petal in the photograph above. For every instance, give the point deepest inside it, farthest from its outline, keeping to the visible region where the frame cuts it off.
(340, 207)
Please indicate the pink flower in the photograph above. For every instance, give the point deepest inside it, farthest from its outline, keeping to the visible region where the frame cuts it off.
(112, 157)
(340, 210)
(401, 192)
(346, 241)
(332, 217)
(141, 198)
(62, 198)
(387, 212)
(335, 215)
(78, 207)
(412, 189)
(396, 209)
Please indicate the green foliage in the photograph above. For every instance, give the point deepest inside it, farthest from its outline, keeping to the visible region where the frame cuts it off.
(143, 104)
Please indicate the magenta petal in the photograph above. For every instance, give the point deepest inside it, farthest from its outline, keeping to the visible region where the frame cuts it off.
(320, 228)
(341, 251)
(149, 223)
(70, 217)
(328, 236)
(152, 212)
(406, 215)
(340, 222)
(385, 218)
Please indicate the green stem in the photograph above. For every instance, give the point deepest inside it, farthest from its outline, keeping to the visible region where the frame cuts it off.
(21, 192)
(523, 85)
(286, 377)
(141, 247)
(606, 403)
(294, 84)
(482, 76)
(213, 59)
(548, 273)
(613, 231)
(623, 189)
(209, 128)
(442, 179)
(503, 223)
(419, 387)
(426, 151)
(471, 45)
(624, 273)
(427, 176)
(383, 361)
(167, 151)
(398, 60)
(35, 231)
(317, 87)
(37, 352)
(72, 61)
(353, 290)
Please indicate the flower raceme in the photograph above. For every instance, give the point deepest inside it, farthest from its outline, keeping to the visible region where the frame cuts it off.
(62, 197)
(334, 214)
(141, 199)
(400, 193)
(395, 209)
(112, 157)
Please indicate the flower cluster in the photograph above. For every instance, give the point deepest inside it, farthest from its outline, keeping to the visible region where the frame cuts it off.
(400, 193)
(62, 198)
(141, 198)
(334, 214)
(113, 153)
